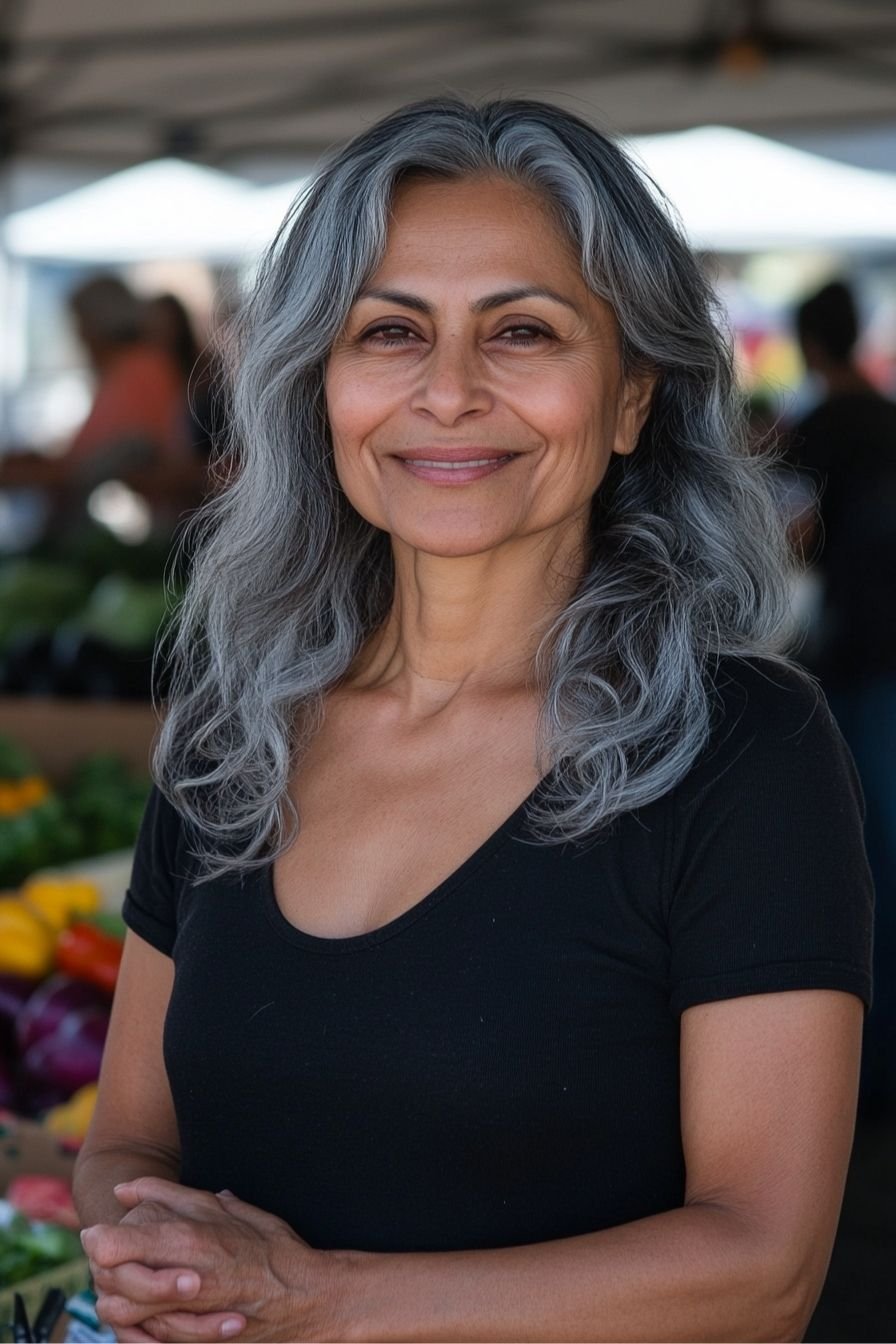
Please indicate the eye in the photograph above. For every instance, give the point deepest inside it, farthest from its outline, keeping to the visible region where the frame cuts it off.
(523, 334)
(388, 334)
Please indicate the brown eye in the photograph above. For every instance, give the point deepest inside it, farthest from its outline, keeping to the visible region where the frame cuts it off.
(389, 334)
(523, 334)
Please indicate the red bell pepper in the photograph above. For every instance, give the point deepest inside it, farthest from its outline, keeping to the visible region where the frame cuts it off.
(87, 952)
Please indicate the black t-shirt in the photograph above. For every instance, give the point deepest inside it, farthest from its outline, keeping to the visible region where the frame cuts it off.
(500, 1064)
(847, 448)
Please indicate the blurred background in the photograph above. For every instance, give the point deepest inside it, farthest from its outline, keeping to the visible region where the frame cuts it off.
(147, 157)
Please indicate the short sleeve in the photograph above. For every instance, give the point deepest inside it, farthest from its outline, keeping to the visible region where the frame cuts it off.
(768, 883)
(150, 903)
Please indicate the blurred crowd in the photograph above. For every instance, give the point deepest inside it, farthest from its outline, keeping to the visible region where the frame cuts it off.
(844, 454)
(152, 417)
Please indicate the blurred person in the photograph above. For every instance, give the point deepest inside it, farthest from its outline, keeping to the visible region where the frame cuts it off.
(134, 428)
(846, 449)
(499, 926)
(168, 325)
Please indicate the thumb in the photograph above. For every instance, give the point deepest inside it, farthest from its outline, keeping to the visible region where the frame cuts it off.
(126, 1194)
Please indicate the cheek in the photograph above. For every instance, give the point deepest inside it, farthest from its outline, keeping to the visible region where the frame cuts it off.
(352, 406)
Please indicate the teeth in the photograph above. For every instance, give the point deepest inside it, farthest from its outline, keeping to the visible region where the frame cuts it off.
(454, 466)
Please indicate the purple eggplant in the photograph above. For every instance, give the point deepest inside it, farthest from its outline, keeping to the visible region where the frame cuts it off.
(51, 1003)
(15, 991)
(70, 1056)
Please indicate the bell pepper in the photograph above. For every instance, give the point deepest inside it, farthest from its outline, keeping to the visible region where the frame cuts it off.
(71, 1119)
(16, 795)
(59, 899)
(27, 941)
(89, 953)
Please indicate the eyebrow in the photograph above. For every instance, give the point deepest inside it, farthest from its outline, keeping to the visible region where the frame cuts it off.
(482, 305)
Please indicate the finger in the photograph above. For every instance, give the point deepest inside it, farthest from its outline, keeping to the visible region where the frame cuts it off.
(157, 1288)
(186, 1328)
(153, 1244)
(132, 1334)
(181, 1198)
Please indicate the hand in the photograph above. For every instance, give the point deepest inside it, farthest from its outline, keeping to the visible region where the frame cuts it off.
(240, 1265)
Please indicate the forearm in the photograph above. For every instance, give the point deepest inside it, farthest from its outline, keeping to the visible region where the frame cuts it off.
(695, 1273)
(98, 1170)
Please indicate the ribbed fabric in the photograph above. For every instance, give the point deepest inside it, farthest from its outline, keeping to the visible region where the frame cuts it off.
(500, 1064)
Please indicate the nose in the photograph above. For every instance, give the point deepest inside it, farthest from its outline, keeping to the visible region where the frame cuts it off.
(452, 384)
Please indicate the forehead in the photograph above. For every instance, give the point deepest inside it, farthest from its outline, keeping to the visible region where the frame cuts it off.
(476, 223)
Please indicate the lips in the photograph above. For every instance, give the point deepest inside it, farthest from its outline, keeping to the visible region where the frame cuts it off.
(438, 457)
(440, 464)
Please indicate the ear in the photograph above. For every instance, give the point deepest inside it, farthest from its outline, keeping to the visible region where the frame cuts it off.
(637, 398)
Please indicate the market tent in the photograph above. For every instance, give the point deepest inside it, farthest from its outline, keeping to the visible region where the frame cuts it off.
(740, 192)
(733, 191)
(106, 84)
(163, 209)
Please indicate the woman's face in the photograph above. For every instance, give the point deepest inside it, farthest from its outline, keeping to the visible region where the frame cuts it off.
(477, 341)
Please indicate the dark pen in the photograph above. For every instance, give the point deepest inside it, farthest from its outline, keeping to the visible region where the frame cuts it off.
(50, 1311)
(21, 1330)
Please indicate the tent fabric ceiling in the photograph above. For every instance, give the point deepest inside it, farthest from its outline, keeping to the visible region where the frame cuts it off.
(224, 81)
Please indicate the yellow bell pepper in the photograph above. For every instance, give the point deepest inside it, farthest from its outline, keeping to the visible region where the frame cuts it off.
(60, 899)
(72, 1118)
(17, 795)
(27, 941)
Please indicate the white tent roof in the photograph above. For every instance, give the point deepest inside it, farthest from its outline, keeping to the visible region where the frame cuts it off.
(741, 192)
(734, 191)
(163, 209)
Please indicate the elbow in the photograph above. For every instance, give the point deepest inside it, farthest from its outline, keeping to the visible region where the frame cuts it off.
(795, 1304)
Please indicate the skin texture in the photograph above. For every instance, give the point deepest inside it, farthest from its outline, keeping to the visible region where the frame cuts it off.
(769, 1082)
(479, 567)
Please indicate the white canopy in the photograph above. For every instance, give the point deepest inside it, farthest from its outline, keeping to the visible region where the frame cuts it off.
(734, 191)
(156, 210)
(741, 192)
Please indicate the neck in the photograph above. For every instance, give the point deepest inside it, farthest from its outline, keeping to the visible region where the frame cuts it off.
(469, 623)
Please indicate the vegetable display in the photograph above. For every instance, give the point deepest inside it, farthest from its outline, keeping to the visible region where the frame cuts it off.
(28, 1247)
(97, 811)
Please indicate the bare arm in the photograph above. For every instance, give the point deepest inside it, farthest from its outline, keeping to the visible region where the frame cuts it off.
(134, 1130)
(769, 1089)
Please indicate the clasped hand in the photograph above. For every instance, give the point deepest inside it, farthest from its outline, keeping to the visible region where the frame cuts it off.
(188, 1265)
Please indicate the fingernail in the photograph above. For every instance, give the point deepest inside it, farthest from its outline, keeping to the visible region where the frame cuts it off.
(122, 1185)
(186, 1284)
(86, 1235)
(230, 1328)
(227, 1192)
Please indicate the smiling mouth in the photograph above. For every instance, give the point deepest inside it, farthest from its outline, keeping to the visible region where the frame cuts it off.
(457, 466)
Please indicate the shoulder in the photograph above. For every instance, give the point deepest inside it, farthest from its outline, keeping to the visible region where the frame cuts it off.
(761, 698)
(771, 733)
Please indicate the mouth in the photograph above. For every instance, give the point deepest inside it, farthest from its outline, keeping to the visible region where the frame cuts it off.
(453, 466)
(456, 466)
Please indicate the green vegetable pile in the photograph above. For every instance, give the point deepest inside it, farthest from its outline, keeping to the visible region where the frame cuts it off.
(98, 810)
(28, 1248)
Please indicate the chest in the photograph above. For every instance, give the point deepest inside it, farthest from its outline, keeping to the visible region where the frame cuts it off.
(383, 827)
(472, 1076)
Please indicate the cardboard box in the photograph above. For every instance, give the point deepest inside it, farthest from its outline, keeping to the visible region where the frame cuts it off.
(26, 1147)
(60, 733)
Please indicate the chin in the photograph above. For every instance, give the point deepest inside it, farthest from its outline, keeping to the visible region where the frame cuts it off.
(448, 542)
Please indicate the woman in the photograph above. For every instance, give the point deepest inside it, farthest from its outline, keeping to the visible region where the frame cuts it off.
(491, 821)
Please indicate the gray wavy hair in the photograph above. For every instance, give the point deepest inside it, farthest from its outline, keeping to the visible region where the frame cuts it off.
(688, 553)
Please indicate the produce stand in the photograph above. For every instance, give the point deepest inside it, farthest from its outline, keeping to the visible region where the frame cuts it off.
(26, 1146)
(73, 782)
